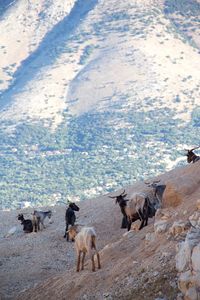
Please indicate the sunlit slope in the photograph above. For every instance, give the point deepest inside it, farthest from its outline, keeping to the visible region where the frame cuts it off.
(119, 52)
(23, 26)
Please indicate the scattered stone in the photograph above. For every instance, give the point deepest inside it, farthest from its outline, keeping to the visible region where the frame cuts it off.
(150, 237)
(135, 226)
(188, 265)
(192, 294)
(179, 296)
(107, 296)
(198, 204)
(11, 231)
(195, 219)
(183, 256)
(178, 227)
(160, 226)
(196, 258)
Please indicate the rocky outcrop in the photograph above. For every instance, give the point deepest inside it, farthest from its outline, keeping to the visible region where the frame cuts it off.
(179, 227)
(188, 265)
(181, 186)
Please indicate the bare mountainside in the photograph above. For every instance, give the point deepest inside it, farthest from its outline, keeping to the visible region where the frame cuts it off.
(83, 55)
(135, 265)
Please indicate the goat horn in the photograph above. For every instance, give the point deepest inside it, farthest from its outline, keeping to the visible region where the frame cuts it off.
(113, 197)
(60, 201)
(194, 148)
(191, 149)
(155, 181)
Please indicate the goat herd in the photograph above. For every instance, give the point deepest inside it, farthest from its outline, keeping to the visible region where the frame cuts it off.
(139, 206)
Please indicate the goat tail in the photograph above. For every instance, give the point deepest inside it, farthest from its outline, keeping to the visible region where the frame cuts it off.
(93, 242)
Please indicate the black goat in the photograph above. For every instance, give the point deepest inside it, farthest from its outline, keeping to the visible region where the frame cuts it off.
(138, 207)
(70, 217)
(122, 202)
(191, 156)
(27, 224)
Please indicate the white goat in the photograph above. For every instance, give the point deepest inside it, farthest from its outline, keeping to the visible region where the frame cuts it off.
(85, 242)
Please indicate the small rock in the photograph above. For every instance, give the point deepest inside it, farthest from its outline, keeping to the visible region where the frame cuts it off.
(198, 204)
(107, 296)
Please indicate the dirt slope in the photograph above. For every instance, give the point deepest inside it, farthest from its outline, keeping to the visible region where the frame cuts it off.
(131, 265)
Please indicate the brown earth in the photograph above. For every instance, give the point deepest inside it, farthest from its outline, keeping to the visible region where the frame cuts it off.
(42, 265)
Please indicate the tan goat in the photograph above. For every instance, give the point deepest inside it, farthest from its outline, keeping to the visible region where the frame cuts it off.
(85, 242)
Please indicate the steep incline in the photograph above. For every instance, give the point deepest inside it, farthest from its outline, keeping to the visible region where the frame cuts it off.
(138, 263)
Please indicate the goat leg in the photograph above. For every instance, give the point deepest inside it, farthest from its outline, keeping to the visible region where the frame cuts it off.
(93, 263)
(142, 224)
(129, 222)
(78, 262)
(82, 261)
(66, 229)
(98, 260)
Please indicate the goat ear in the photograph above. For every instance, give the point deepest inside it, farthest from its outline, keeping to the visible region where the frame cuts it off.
(122, 194)
(126, 200)
(112, 197)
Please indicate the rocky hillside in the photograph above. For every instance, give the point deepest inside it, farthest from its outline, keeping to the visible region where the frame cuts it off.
(159, 262)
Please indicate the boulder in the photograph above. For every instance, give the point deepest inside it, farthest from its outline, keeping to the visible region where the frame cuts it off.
(178, 227)
(188, 265)
(195, 219)
(196, 258)
(184, 281)
(198, 204)
(160, 226)
(192, 294)
(183, 257)
(150, 237)
(163, 214)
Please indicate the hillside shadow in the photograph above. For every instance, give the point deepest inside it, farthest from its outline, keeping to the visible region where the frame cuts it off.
(52, 45)
(184, 7)
(184, 15)
(5, 5)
